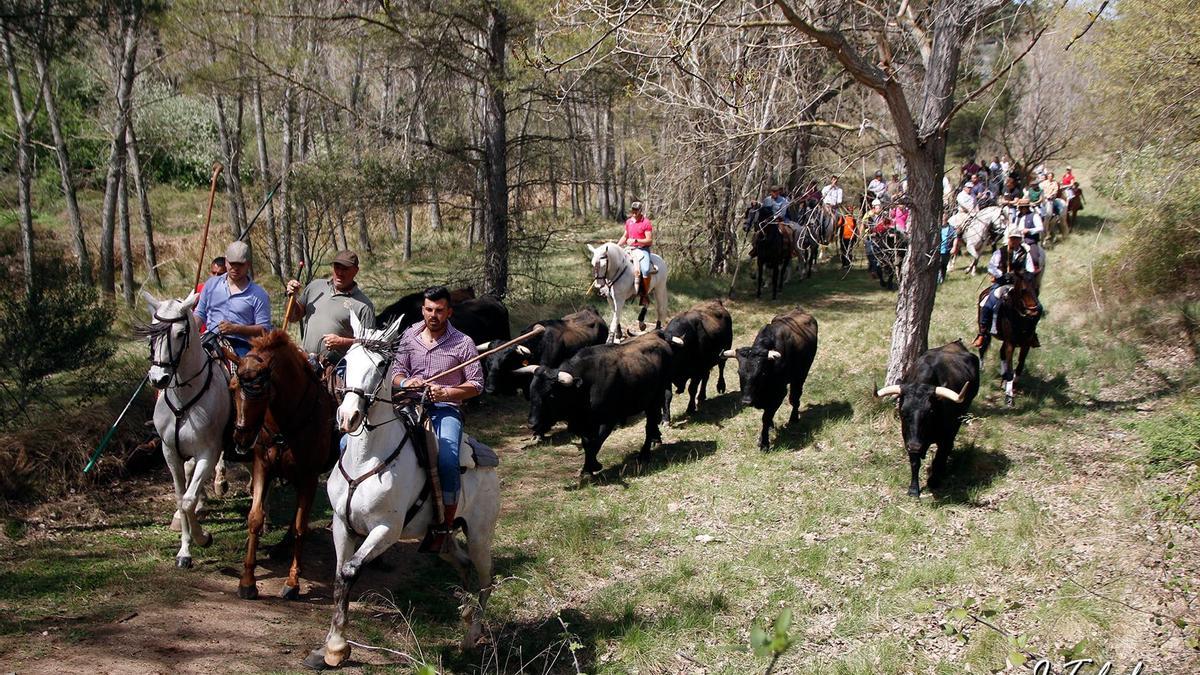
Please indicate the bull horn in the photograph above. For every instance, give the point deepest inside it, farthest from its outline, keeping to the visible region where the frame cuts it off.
(565, 378)
(482, 346)
(677, 340)
(890, 390)
(523, 350)
(525, 370)
(729, 354)
(950, 395)
(774, 355)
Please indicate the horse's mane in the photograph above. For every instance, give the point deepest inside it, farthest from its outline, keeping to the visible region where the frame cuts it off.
(279, 342)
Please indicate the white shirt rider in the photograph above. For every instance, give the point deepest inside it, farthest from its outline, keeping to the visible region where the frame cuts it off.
(832, 196)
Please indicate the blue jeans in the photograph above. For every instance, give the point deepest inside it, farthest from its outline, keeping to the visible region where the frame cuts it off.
(447, 425)
(642, 258)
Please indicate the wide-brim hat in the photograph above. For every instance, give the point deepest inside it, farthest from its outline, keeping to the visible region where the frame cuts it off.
(1013, 231)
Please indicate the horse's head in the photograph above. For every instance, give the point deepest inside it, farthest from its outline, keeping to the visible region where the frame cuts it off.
(170, 333)
(607, 258)
(367, 364)
(251, 387)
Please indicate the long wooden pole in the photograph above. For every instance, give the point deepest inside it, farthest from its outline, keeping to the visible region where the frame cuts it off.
(212, 195)
(287, 311)
(538, 329)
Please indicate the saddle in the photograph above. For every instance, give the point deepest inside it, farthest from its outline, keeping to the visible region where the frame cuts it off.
(629, 256)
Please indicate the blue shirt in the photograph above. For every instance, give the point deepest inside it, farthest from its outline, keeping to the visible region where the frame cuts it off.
(251, 307)
(778, 205)
(947, 238)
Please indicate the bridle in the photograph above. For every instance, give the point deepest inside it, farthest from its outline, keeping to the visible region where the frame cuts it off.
(386, 350)
(156, 332)
(597, 275)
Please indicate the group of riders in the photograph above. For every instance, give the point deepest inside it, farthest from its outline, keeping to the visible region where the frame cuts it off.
(233, 310)
(883, 222)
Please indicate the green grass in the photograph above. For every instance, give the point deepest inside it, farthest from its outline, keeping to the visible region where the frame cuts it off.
(820, 524)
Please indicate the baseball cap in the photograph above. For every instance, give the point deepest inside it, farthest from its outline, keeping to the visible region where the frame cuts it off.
(347, 258)
(636, 206)
(237, 252)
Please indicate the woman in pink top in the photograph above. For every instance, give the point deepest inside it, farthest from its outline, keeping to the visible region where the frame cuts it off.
(899, 216)
(639, 235)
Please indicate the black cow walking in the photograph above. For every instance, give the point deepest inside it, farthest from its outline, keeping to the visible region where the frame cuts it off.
(483, 319)
(510, 369)
(933, 399)
(601, 387)
(780, 357)
(698, 337)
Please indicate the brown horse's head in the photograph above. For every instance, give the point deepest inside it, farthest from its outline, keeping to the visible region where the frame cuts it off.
(253, 387)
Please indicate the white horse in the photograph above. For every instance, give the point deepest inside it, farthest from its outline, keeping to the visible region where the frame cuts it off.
(382, 501)
(976, 229)
(192, 411)
(613, 275)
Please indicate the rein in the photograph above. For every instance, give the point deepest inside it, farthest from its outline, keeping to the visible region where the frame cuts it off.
(157, 331)
(597, 276)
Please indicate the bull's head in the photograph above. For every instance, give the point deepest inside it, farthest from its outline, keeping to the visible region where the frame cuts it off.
(549, 395)
(920, 421)
(502, 370)
(756, 367)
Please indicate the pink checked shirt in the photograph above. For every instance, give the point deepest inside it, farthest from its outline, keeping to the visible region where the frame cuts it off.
(415, 359)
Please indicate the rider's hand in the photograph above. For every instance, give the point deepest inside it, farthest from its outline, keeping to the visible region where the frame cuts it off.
(292, 287)
(438, 393)
(333, 341)
(229, 328)
(414, 383)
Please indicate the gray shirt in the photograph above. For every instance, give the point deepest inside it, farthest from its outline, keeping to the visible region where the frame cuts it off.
(327, 310)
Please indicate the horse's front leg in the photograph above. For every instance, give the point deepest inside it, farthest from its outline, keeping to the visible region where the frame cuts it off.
(337, 649)
(179, 478)
(247, 589)
(304, 499)
(187, 506)
(1021, 360)
(614, 326)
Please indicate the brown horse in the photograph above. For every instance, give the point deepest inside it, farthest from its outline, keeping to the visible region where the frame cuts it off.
(1016, 323)
(274, 386)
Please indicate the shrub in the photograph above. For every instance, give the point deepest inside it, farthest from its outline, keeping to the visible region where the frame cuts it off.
(64, 326)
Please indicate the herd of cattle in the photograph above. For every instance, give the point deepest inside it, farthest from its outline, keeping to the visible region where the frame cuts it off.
(574, 371)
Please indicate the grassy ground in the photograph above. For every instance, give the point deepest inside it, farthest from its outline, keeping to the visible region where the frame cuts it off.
(1062, 530)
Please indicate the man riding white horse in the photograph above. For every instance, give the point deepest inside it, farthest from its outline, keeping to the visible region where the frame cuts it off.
(638, 238)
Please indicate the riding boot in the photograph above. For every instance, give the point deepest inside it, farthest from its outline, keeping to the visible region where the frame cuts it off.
(435, 538)
(643, 296)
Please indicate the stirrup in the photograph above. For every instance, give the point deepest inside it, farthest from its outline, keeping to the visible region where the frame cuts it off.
(436, 539)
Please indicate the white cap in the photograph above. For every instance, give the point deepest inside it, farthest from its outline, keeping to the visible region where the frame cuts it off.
(1013, 231)
(876, 202)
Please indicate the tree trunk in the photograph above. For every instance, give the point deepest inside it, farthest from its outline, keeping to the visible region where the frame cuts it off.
(285, 193)
(393, 226)
(116, 154)
(126, 244)
(24, 161)
(408, 228)
(364, 237)
(924, 151)
(78, 241)
(495, 158)
(610, 153)
(133, 173)
(231, 147)
(264, 175)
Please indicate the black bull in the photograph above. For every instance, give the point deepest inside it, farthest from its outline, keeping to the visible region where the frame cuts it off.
(781, 356)
(601, 387)
(933, 399)
(511, 368)
(698, 337)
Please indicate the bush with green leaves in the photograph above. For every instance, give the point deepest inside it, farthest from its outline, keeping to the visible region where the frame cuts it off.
(177, 136)
(62, 327)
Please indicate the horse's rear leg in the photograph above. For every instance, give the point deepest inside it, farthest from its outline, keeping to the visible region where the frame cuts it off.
(304, 499)
(480, 532)
(220, 483)
(336, 649)
(247, 589)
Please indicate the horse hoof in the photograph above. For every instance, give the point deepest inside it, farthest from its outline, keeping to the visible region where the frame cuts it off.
(1008, 401)
(914, 492)
(183, 562)
(316, 660)
(221, 489)
(248, 592)
(290, 592)
(206, 541)
(176, 526)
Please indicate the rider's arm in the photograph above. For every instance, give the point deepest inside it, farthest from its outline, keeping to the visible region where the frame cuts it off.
(400, 365)
(648, 239)
(296, 310)
(623, 240)
(994, 266)
(202, 303)
(1037, 225)
(473, 375)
